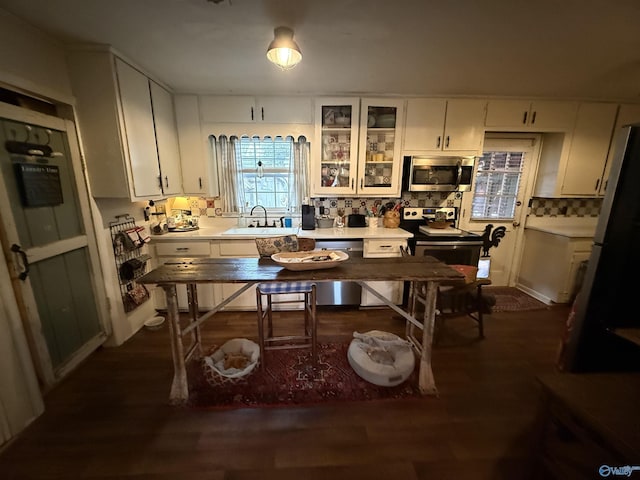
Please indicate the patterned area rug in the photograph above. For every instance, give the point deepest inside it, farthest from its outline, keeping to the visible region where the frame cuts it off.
(288, 380)
(510, 299)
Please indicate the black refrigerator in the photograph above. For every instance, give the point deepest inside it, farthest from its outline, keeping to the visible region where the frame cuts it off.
(605, 332)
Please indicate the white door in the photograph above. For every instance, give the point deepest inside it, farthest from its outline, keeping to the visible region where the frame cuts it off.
(49, 241)
(502, 187)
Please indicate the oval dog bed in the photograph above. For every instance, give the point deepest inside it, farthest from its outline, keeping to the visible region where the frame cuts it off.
(381, 358)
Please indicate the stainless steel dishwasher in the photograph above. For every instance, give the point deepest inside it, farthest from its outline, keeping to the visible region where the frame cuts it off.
(339, 293)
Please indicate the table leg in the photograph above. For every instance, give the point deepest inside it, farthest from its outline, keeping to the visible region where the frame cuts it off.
(180, 386)
(192, 299)
(426, 381)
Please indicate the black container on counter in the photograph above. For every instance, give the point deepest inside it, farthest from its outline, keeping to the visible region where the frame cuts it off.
(308, 217)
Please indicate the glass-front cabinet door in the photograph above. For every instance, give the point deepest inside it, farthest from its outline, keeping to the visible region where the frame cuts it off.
(379, 146)
(358, 147)
(337, 121)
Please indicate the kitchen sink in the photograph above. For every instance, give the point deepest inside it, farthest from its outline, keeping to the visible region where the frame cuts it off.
(260, 231)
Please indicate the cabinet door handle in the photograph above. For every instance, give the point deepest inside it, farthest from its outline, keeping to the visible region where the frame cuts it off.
(447, 142)
(361, 183)
(524, 118)
(200, 182)
(352, 180)
(182, 249)
(166, 181)
(438, 142)
(262, 113)
(533, 118)
(251, 113)
(160, 181)
(597, 184)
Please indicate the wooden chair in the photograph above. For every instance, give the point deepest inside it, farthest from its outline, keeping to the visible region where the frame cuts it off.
(467, 299)
(454, 300)
(273, 294)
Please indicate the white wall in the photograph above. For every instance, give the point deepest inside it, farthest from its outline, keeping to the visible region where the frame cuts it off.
(32, 60)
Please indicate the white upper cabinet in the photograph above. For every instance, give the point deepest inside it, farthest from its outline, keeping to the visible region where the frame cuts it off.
(572, 165)
(357, 147)
(525, 115)
(127, 125)
(589, 147)
(166, 140)
(247, 109)
(627, 114)
(137, 113)
(436, 125)
(199, 177)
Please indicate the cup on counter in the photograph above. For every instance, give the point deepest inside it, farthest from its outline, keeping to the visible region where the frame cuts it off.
(171, 222)
(372, 222)
(288, 223)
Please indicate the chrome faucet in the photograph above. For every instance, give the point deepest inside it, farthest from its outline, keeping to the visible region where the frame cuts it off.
(265, 214)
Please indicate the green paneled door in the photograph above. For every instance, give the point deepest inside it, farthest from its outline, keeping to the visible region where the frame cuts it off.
(55, 243)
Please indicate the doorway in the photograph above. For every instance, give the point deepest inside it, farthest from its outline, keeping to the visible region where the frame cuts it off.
(503, 184)
(49, 242)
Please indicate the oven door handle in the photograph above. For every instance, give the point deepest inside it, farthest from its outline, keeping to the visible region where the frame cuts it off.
(459, 178)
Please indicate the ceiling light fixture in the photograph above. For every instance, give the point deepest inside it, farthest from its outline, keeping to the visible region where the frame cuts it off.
(283, 50)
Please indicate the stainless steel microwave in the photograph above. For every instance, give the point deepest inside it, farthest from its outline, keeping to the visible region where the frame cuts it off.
(437, 173)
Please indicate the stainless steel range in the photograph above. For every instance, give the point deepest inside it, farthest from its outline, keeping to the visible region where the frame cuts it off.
(450, 244)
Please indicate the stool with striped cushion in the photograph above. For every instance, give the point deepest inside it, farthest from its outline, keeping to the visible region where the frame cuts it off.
(271, 291)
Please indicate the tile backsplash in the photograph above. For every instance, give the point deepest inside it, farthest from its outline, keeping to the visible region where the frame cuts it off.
(540, 207)
(565, 207)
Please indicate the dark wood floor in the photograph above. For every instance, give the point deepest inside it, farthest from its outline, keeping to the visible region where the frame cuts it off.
(110, 418)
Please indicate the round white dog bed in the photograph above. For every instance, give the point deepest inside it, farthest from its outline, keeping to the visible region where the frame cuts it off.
(381, 358)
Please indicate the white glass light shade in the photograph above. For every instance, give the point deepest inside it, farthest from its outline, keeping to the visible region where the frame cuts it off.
(283, 51)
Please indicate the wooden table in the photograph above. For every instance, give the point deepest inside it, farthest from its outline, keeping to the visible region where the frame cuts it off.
(423, 272)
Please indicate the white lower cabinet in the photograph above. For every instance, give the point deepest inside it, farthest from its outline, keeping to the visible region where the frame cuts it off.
(166, 251)
(550, 264)
(236, 249)
(381, 248)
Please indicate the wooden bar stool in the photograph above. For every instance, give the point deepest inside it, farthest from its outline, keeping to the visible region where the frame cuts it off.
(279, 293)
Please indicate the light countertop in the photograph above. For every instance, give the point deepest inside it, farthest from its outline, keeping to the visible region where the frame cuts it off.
(572, 227)
(215, 231)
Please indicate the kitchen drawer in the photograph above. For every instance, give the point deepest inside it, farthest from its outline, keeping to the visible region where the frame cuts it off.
(383, 248)
(183, 249)
(239, 248)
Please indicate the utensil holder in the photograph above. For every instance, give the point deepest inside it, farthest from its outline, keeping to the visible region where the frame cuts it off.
(391, 219)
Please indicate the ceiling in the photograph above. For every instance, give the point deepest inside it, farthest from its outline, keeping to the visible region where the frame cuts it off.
(583, 49)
